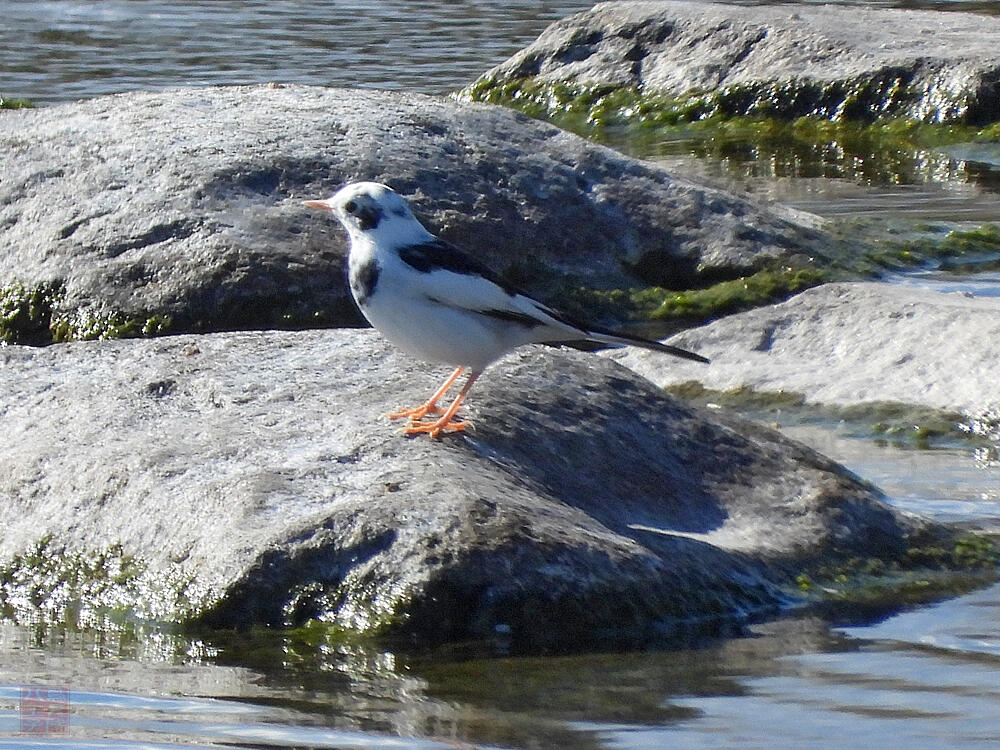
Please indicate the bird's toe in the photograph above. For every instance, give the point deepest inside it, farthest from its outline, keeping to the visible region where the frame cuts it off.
(435, 429)
(417, 413)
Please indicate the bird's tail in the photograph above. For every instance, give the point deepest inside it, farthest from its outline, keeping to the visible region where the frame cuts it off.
(623, 339)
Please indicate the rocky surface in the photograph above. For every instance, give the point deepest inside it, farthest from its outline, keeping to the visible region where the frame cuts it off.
(187, 203)
(831, 60)
(850, 343)
(243, 478)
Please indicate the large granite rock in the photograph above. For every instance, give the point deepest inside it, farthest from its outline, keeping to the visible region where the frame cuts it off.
(188, 203)
(848, 344)
(244, 478)
(831, 60)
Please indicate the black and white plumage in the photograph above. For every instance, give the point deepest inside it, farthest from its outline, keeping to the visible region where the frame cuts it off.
(441, 305)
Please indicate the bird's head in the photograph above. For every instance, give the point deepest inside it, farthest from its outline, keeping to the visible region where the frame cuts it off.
(369, 209)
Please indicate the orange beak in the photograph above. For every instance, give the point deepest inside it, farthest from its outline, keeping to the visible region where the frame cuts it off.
(321, 205)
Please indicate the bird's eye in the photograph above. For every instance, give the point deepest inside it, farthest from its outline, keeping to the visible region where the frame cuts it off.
(350, 207)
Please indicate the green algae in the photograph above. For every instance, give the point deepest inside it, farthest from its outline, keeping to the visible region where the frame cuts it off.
(922, 574)
(743, 397)
(102, 588)
(864, 133)
(958, 251)
(885, 422)
(110, 590)
(96, 323)
(983, 239)
(891, 590)
(727, 297)
(684, 307)
(861, 249)
(8, 103)
(31, 315)
(26, 313)
(599, 107)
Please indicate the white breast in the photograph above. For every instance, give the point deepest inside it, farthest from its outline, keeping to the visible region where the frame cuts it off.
(428, 315)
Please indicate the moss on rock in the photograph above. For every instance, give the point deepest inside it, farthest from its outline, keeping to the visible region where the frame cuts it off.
(8, 103)
(923, 574)
(904, 425)
(726, 297)
(886, 100)
(690, 306)
(859, 132)
(31, 315)
(48, 584)
(954, 250)
(26, 313)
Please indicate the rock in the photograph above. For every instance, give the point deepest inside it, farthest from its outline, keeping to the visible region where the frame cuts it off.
(850, 343)
(244, 478)
(186, 203)
(830, 60)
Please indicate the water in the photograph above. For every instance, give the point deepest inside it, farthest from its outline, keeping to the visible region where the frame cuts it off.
(985, 284)
(59, 50)
(939, 187)
(926, 677)
(946, 483)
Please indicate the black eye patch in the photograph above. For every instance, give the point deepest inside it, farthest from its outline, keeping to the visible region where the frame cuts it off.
(350, 207)
(369, 217)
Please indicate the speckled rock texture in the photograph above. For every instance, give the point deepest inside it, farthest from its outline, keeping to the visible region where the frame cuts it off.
(188, 203)
(791, 60)
(254, 477)
(849, 344)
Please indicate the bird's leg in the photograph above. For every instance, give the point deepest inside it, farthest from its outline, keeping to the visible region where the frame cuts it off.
(444, 423)
(431, 407)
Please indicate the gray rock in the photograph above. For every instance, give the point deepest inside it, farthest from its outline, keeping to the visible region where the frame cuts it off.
(187, 203)
(833, 60)
(849, 344)
(254, 479)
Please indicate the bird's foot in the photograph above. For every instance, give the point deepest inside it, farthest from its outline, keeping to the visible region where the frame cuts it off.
(436, 428)
(417, 413)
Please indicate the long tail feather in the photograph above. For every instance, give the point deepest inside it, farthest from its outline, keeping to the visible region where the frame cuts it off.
(593, 333)
(624, 339)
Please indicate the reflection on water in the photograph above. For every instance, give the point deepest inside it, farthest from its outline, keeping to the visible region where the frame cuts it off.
(917, 678)
(923, 186)
(58, 50)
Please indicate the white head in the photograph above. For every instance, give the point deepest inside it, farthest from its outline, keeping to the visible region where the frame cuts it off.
(369, 210)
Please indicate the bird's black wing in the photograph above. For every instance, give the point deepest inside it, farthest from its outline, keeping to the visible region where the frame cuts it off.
(437, 254)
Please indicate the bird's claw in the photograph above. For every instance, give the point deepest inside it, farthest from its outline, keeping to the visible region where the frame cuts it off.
(435, 428)
(417, 413)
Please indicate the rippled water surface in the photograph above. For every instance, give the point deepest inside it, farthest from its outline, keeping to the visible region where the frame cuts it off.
(56, 50)
(925, 677)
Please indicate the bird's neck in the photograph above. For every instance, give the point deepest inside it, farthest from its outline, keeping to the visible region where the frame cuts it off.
(363, 250)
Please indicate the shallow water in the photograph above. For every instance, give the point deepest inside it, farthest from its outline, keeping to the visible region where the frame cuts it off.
(960, 191)
(985, 284)
(925, 678)
(58, 50)
(946, 483)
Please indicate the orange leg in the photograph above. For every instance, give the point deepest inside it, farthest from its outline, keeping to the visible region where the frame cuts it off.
(444, 424)
(431, 407)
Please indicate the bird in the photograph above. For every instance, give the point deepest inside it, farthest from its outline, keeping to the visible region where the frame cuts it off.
(442, 305)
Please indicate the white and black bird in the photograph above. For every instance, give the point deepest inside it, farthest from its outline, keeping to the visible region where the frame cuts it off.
(439, 304)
